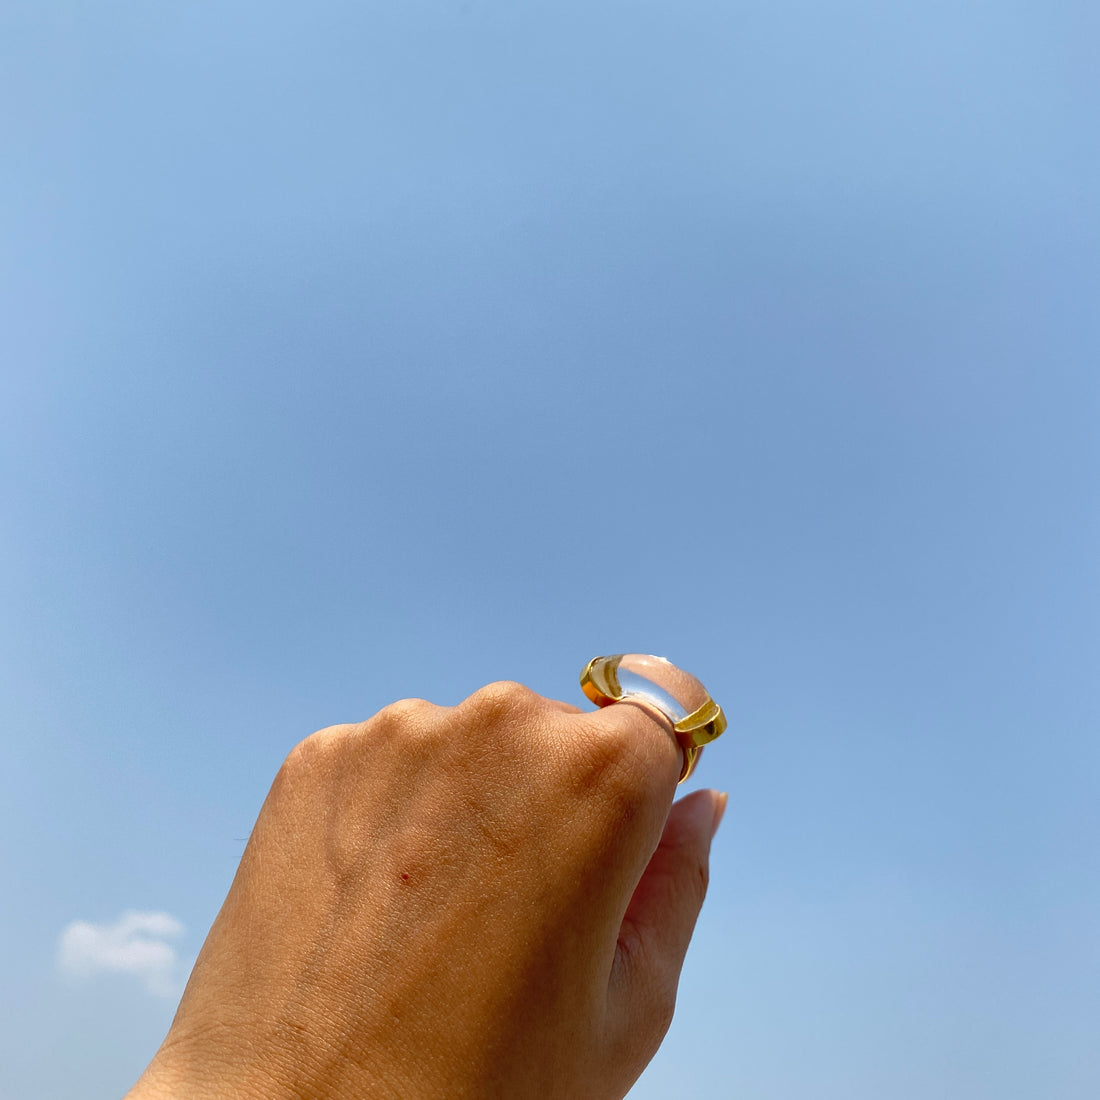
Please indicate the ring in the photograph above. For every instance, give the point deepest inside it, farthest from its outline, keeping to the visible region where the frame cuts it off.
(696, 718)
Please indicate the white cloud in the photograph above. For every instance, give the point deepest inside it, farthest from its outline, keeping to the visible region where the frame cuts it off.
(135, 944)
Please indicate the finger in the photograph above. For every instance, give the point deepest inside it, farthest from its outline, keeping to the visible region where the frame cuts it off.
(649, 732)
(660, 919)
(623, 763)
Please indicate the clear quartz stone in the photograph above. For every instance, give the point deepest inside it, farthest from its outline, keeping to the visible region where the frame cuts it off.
(668, 687)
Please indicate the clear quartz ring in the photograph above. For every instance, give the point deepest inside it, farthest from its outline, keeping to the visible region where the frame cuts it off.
(696, 718)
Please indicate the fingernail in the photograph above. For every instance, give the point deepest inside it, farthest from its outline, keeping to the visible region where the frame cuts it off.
(719, 811)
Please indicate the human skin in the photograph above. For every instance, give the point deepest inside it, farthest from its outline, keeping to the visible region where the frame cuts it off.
(488, 900)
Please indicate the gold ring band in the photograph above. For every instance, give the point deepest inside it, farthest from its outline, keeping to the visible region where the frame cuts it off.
(696, 718)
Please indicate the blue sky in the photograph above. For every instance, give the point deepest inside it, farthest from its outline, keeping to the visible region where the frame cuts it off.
(355, 351)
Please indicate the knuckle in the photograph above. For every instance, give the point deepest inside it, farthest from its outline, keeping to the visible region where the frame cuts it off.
(399, 721)
(692, 875)
(310, 749)
(400, 716)
(405, 725)
(700, 880)
(306, 760)
(501, 699)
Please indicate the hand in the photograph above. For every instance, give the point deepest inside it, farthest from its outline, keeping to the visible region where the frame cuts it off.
(488, 900)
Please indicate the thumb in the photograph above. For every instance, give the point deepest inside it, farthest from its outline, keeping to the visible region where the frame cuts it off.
(659, 922)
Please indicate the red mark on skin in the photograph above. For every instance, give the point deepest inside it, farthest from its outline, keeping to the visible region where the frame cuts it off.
(404, 876)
